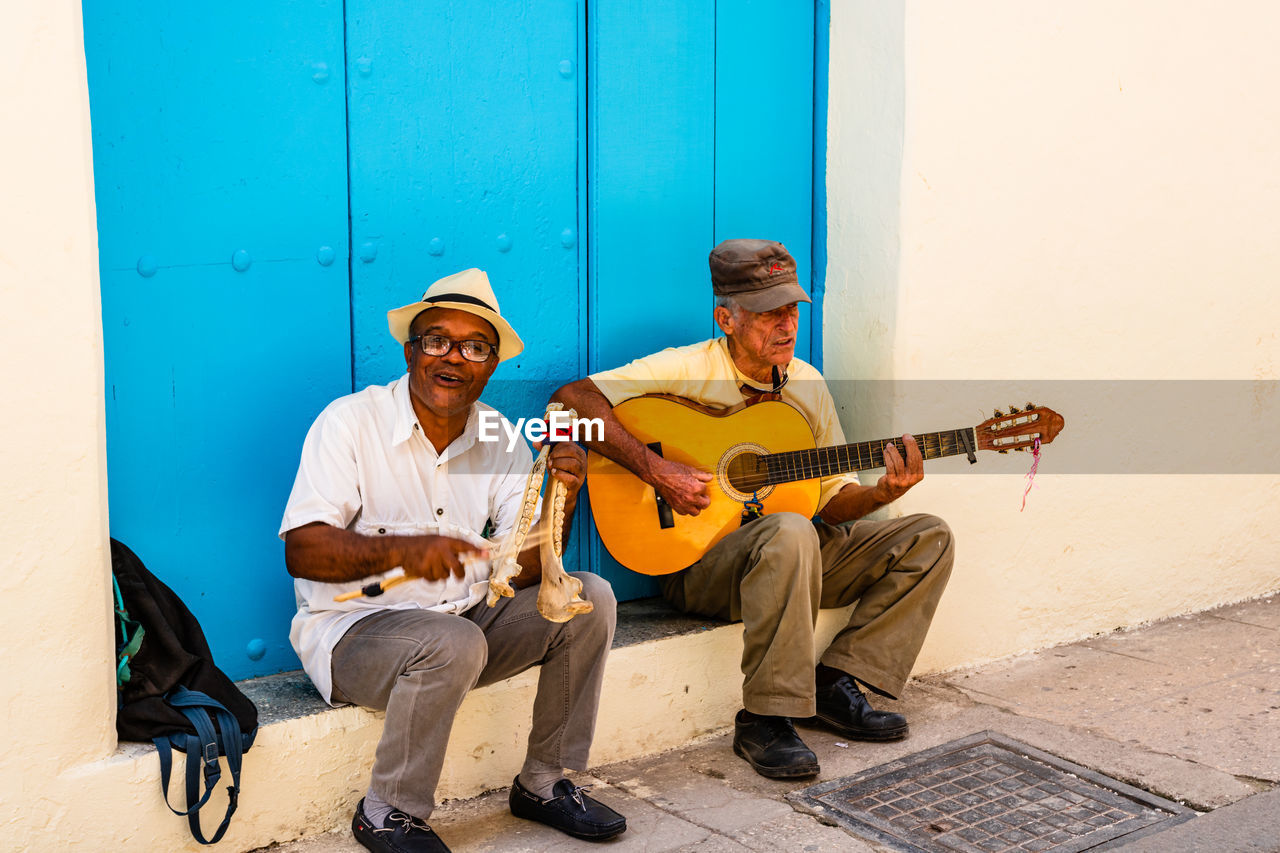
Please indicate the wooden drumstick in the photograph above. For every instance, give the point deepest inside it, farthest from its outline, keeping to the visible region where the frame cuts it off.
(374, 589)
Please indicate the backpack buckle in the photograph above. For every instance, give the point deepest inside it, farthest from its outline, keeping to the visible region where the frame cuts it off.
(209, 754)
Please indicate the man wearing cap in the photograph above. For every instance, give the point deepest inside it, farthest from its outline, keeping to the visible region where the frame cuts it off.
(393, 480)
(775, 572)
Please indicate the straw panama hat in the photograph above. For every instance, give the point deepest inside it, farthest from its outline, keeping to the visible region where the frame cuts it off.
(468, 291)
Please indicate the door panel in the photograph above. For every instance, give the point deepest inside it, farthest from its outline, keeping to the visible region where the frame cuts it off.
(764, 130)
(218, 131)
(206, 412)
(464, 153)
(652, 175)
(464, 137)
(652, 190)
(698, 134)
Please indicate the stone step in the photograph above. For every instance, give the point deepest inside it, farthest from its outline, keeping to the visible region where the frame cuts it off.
(670, 679)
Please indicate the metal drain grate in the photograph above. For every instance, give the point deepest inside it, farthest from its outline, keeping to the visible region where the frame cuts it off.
(989, 794)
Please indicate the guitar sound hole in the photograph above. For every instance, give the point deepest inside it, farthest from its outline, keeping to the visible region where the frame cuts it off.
(747, 473)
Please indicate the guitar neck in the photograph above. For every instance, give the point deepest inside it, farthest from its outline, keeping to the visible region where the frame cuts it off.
(861, 456)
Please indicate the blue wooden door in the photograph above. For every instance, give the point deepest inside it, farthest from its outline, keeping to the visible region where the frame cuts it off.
(220, 176)
(272, 176)
(701, 130)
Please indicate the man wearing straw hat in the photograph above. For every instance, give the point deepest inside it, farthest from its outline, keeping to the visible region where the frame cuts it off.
(394, 480)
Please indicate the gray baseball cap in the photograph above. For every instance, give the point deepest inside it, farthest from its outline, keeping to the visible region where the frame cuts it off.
(759, 274)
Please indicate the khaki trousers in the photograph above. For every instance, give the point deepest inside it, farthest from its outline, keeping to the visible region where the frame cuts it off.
(774, 574)
(417, 665)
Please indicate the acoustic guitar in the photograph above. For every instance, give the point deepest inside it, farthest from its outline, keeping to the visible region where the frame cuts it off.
(764, 459)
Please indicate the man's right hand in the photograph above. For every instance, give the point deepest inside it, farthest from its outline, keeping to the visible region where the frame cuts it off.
(683, 487)
(436, 557)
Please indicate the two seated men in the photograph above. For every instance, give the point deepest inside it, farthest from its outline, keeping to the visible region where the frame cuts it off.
(394, 479)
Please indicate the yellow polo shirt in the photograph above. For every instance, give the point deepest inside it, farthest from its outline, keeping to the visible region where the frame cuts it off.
(705, 373)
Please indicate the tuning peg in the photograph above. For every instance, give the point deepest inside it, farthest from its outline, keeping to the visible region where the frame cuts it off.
(997, 413)
(1006, 450)
(1030, 406)
(1013, 410)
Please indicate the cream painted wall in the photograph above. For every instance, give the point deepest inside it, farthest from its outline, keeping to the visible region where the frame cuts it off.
(57, 667)
(1025, 192)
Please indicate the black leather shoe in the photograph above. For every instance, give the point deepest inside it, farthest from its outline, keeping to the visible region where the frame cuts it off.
(569, 810)
(402, 834)
(842, 706)
(772, 747)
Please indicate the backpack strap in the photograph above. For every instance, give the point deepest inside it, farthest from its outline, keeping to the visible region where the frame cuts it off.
(202, 751)
(131, 634)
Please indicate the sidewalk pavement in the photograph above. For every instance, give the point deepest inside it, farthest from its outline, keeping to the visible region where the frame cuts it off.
(1187, 708)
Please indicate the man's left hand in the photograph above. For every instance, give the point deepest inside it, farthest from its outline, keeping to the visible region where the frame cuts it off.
(568, 464)
(899, 475)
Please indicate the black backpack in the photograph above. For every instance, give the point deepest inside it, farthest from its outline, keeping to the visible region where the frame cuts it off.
(170, 693)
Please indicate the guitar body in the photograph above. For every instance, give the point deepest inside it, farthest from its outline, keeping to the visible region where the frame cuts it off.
(627, 512)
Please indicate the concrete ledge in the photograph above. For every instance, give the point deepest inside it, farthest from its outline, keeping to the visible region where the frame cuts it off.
(287, 695)
(671, 678)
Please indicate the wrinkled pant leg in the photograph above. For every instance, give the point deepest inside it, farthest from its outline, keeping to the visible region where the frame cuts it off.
(768, 574)
(416, 665)
(572, 655)
(897, 571)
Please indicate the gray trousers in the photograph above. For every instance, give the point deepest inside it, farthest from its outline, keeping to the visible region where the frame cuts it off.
(418, 665)
(774, 574)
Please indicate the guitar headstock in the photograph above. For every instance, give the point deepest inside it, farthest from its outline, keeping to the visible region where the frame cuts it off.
(1019, 428)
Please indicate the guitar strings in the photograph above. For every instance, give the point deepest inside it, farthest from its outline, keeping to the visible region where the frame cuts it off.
(791, 465)
(826, 461)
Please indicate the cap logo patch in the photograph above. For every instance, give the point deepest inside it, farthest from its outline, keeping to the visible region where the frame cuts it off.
(775, 269)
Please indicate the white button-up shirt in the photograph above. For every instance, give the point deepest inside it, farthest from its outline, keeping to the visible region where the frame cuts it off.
(367, 466)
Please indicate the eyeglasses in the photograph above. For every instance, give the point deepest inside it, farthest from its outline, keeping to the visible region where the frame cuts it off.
(439, 346)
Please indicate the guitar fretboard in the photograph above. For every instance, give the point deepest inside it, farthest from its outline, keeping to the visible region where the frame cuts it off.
(827, 461)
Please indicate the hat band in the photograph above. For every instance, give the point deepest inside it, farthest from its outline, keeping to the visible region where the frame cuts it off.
(739, 287)
(461, 297)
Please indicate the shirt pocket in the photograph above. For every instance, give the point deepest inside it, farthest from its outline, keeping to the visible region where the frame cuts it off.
(367, 526)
